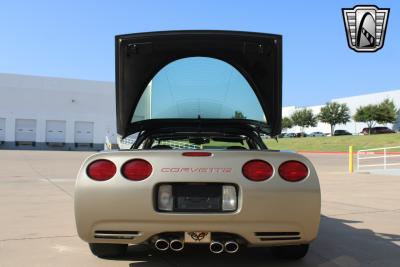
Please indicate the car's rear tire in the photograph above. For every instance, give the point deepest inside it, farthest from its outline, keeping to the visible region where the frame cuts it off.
(293, 252)
(108, 250)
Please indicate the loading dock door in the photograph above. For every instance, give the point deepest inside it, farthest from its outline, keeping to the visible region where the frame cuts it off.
(2, 129)
(55, 131)
(83, 132)
(25, 130)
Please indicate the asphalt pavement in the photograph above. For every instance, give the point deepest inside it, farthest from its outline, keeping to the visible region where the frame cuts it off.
(359, 223)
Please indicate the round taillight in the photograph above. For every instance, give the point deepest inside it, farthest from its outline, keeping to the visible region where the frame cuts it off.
(136, 169)
(101, 170)
(293, 171)
(257, 170)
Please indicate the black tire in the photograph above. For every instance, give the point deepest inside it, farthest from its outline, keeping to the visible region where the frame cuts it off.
(294, 252)
(108, 250)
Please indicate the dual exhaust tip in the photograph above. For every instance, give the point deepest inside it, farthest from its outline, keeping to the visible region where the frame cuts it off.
(229, 247)
(163, 244)
(216, 247)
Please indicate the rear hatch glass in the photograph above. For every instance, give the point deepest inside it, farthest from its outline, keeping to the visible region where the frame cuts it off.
(198, 87)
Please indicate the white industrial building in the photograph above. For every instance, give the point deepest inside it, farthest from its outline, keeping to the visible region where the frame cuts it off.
(45, 111)
(74, 114)
(353, 102)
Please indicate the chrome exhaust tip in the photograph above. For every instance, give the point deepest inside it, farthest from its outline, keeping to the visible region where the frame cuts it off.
(161, 244)
(216, 247)
(176, 245)
(231, 247)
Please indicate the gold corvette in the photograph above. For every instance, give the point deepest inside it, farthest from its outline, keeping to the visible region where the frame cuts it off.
(196, 104)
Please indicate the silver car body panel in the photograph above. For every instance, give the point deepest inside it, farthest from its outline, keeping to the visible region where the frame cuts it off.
(271, 206)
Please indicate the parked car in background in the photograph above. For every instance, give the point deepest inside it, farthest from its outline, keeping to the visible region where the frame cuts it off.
(377, 130)
(288, 135)
(301, 134)
(316, 134)
(341, 132)
(382, 130)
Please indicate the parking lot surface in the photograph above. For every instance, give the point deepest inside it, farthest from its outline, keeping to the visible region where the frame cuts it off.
(359, 223)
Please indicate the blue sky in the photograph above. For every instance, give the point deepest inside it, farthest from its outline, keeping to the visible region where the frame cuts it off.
(75, 39)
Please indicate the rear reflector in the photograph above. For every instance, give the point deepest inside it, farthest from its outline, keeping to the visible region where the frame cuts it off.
(136, 169)
(257, 170)
(101, 170)
(197, 154)
(293, 171)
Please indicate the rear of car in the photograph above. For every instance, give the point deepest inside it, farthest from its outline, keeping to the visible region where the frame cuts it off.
(364, 131)
(196, 105)
(252, 198)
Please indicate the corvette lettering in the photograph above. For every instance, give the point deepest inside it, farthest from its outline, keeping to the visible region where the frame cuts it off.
(197, 170)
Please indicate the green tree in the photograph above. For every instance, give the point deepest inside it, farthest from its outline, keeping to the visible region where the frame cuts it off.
(287, 123)
(367, 114)
(239, 115)
(334, 113)
(304, 118)
(386, 112)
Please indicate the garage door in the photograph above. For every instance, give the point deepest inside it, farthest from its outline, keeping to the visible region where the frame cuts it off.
(25, 130)
(2, 129)
(83, 132)
(55, 131)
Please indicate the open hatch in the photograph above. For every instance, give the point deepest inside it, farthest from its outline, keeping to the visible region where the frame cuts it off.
(198, 79)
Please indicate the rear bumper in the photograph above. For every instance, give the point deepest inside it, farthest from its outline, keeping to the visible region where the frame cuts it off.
(273, 206)
(263, 218)
(254, 234)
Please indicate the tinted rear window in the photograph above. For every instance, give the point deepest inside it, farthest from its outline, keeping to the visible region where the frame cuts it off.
(198, 87)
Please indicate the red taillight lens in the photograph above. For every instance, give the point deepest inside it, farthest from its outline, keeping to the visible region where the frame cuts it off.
(293, 171)
(136, 169)
(257, 170)
(101, 170)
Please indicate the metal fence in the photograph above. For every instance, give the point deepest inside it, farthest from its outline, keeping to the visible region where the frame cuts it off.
(180, 145)
(378, 158)
(127, 143)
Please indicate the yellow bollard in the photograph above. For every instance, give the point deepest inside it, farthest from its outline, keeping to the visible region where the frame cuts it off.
(350, 159)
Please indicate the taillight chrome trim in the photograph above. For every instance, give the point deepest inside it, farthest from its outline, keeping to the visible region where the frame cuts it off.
(123, 173)
(282, 165)
(257, 160)
(106, 178)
